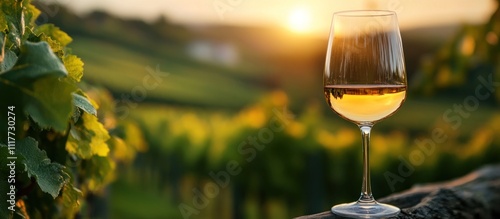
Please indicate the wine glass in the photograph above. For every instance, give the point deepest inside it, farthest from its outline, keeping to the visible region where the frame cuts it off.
(365, 82)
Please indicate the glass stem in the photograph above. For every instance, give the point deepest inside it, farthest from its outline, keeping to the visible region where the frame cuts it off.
(366, 189)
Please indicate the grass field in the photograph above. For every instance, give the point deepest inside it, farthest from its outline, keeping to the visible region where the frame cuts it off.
(139, 201)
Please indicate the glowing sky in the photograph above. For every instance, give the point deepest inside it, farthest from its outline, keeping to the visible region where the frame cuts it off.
(315, 13)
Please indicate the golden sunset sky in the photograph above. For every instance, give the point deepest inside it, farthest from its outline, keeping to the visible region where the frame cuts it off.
(313, 16)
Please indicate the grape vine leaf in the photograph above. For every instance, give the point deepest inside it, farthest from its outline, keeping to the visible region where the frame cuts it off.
(13, 19)
(99, 172)
(7, 57)
(83, 103)
(88, 138)
(56, 38)
(8, 60)
(3, 22)
(9, 15)
(31, 13)
(35, 60)
(35, 82)
(50, 103)
(24, 13)
(50, 177)
(74, 66)
(71, 199)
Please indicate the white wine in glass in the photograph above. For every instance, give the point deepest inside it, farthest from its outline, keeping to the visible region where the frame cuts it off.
(365, 82)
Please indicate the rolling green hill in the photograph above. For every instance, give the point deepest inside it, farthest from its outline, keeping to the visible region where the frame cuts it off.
(125, 71)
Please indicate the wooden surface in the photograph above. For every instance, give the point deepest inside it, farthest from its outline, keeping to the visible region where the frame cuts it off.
(476, 195)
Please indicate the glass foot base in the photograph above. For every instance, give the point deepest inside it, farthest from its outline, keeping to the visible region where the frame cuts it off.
(365, 210)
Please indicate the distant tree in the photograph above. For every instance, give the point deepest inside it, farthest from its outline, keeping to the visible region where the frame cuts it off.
(162, 21)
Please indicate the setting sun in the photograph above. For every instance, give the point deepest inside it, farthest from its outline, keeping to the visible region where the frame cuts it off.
(299, 20)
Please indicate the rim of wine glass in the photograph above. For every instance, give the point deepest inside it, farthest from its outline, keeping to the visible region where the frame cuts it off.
(364, 13)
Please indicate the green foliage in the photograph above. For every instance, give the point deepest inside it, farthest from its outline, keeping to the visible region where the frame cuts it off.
(87, 138)
(84, 104)
(472, 53)
(74, 66)
(35, 82)
(50, 176)
(57, 39)
(8, 58)
(59, 145)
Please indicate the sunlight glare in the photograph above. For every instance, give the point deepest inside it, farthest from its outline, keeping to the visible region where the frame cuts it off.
(299, 20)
